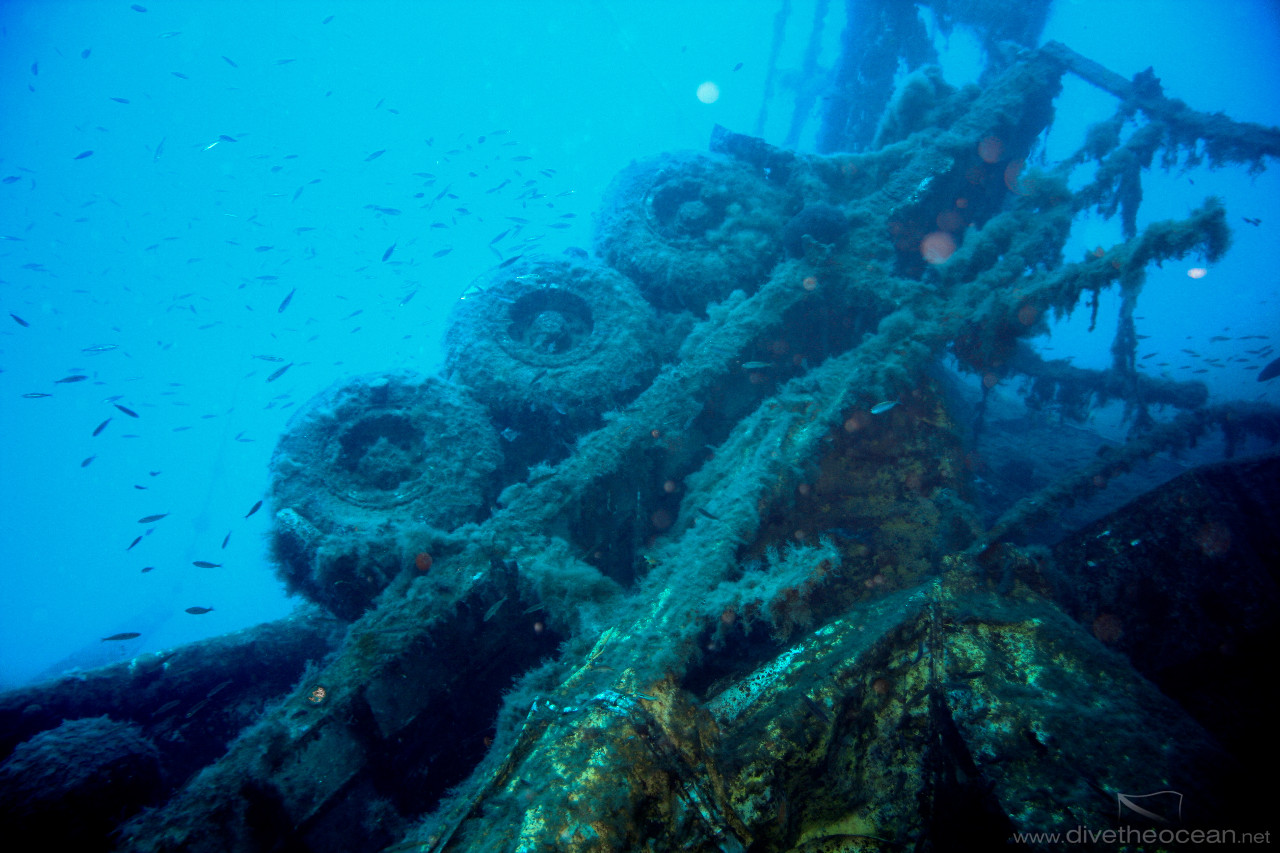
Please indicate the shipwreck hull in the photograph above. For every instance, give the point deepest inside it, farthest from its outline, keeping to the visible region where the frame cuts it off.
(754, 606)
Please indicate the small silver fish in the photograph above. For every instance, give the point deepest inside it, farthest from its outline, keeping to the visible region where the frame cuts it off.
(756, 365)
(881, 408)
(492, 611)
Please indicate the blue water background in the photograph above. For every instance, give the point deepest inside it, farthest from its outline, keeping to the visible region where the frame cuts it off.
(179, 251)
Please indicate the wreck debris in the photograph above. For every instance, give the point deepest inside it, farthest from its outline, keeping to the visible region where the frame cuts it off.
(375, 459)
(549, 343)
(689, 228)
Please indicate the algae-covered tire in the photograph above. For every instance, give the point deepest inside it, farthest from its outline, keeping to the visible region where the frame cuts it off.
(362, 463)
(552, 335)
(690, 228)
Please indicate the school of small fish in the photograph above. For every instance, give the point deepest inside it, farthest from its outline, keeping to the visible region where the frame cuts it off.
(431, 204)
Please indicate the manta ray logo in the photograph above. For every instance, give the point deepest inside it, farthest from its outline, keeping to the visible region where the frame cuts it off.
(1161, 806)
